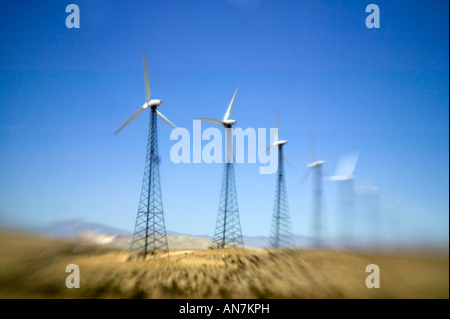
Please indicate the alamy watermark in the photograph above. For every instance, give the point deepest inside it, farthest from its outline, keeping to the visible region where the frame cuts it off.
(73, 280)
(213, 152)
(373, 19)
(73, 19)
(373, 280)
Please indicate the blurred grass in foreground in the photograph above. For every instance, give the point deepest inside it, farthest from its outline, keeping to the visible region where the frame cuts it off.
(34, 267)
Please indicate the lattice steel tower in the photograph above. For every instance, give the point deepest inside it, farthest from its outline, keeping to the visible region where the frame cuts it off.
(344, 175)
(317, 205)
(281, 235)
(228, 227)
(150, 230)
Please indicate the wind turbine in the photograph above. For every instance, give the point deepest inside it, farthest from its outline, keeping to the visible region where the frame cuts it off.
(281, 235)
(228, 226)
(152, 104)
(372, 211)
(150, 230)
(315, 167)
(344, 175)
(383, 216)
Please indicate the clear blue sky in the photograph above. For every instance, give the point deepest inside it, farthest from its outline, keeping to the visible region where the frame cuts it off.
(63, 92)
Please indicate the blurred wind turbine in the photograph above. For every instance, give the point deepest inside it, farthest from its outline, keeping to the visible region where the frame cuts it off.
(315, 166)
(228, 226)
(383, 214)
(281, 236)
(372, 212)
(344, 175)
(150, 230)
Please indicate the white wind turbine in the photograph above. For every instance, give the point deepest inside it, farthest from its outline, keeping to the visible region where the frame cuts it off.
(276, 142)
(150, 231)
(315, 166)
(228, 227)
(371, 213)
(281, 235)
(152, 104)
(344, 175)
(382, 217)
(227, 123)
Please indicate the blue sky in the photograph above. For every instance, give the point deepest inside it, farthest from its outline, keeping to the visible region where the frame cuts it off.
(383, 92)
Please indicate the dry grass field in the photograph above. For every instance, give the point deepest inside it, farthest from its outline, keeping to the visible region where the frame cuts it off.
(32, 267)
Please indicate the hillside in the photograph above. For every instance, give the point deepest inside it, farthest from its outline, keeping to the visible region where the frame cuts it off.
(97, 232)
(33, 267)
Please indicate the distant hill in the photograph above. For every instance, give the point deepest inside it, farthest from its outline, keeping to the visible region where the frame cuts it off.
(119, 238)
(70, 228)
(88, 233)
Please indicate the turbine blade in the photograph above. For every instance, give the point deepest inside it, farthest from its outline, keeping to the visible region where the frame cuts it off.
(130, 119)
(326, 174)
(285, 158)
(266, 150)
(148, 90)
(165, 119)
(216, 121)
(306, 174)
(312, 148)
(277, 125)
(347, 164)
(366, 190)
(230, 107)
